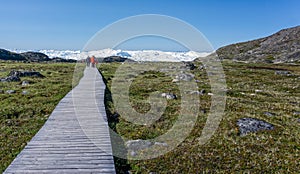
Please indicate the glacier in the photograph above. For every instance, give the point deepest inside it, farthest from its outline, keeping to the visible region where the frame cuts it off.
(140, 55)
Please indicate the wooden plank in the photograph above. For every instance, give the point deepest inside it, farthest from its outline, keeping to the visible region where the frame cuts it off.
(75, 138)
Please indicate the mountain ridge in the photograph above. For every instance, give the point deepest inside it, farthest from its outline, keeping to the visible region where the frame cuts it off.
(282, 46)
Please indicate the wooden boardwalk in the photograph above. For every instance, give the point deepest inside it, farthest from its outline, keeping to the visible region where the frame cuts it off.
(75, 138)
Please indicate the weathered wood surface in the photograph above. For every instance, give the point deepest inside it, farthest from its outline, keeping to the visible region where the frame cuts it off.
(75, 138)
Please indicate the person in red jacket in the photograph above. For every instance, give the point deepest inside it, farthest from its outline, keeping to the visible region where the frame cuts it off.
(93, 61)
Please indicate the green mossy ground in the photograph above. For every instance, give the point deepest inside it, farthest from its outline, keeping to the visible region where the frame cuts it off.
(21, 116)
(252, 90)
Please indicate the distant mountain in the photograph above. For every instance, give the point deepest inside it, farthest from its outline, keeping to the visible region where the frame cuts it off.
(7, 55)
(283, 46)
(114, 59)
(30, 57)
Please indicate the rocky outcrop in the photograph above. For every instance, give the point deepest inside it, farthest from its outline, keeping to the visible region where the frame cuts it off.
(10, 79)
(283, 46)
(14, 76)
(251, 125)
(35, 56)
(26, 74)
(7, 55)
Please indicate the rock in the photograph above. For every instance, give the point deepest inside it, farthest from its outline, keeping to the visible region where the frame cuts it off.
(185, 77)
(161, 144)
(1, 91)
(135, 145)
(26, 74)
(25, 92)
(258, 90)
(25, 83)
(286, 73)
(202, 92)
(114, 117)
(10, 79)
(175, 80)
(169, 96)
(190, 65)
(296, 113)
(201, 67)
(269, 114)
(249, 125)
(133, 153)
(10, 91)
(194, 92)
(203, 111)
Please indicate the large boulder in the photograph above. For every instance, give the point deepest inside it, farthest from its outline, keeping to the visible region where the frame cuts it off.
(26, 74)
(250, 125)
(10, 79)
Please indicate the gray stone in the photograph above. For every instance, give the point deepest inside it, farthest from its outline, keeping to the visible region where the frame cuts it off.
(135, 145)
(175, 80)
(190, 65)
(10, 79)
(169, 96)
(161, 144)
(258, 90)
(249, 125)
(296, 113)
(286, 73)
(201, 67)
(25, 92)
(133, 153)
(202, 92)
(10, 91)
(26, 74)
(269, 114)
(25, 83)
(185, 77)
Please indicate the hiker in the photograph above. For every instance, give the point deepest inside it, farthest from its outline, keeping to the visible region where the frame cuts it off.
(88, 61)
(93, 61)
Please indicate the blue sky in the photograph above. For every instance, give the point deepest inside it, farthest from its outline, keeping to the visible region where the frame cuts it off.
(69, 24)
